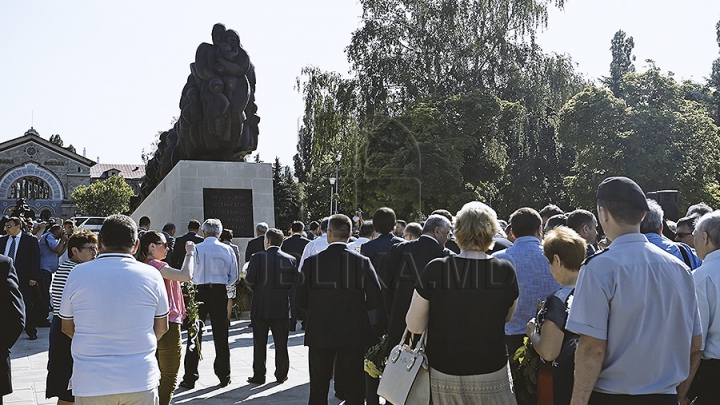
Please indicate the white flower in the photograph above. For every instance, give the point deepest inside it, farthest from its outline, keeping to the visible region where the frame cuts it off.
(569, 303)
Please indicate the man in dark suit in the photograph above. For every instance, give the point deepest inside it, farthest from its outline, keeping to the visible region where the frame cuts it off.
(13, 310)
(258, 243)
(180, 242)
(24, 249)
(407, 261)
(271, 274)
(450, 244)
(294, 246)
(378, 251)
(337, 288)
(169, 231)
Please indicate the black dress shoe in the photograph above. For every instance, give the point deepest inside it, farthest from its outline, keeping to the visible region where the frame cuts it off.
(281, 380)
(225, 383)
(32, 337)
(186, 384)
(256, 380)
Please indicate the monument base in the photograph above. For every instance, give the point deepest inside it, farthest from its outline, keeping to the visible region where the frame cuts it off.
(239, 194)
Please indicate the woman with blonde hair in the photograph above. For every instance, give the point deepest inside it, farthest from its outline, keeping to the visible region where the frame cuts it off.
(153, 249)
(565, 250)
(464, 302)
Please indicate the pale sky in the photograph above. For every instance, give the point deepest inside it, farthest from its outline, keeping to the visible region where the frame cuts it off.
(107, 76)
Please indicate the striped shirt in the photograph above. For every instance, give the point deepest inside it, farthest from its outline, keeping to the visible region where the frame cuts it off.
(58, 284)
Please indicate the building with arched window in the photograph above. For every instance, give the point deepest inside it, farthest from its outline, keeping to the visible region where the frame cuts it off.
(42, 173)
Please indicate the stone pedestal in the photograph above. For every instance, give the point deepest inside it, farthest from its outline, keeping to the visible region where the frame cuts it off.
(240, 194)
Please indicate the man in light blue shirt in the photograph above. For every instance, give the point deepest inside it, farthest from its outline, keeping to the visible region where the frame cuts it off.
(215, 268)
(635, 310)
(706, 236)
(52, 244)
(652, 227)
(535, 281)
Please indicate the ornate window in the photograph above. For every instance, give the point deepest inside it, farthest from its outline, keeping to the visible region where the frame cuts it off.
(30, 188)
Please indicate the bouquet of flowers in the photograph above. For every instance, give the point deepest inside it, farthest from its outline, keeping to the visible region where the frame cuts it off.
(193, 318)
(376, 357)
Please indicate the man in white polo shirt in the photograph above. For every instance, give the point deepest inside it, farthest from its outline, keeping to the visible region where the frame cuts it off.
(115, 309)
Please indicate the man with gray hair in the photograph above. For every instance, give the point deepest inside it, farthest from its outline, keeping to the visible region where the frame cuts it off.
(215, 268)
(407, 260)
(652, 227)
(114, 340)
(707, 286)
(258, 243)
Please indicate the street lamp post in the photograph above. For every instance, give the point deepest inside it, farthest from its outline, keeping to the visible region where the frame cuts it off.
(332, 183)
(337, 176)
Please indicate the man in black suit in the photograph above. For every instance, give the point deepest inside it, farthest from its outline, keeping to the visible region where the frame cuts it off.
(378, 251)
(407, 261)
(337, 288)
(24, 249)
(450, 244)
(271, 274)
(180, 242)
(294, 246)
(169, 231)
(13, 310)
(258, 243)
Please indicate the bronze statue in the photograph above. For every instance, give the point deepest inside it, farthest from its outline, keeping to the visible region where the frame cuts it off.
(218, 116)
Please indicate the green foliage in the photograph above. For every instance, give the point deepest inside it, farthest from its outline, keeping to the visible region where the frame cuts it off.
(714, 83)
(622, 62)
(105, 197)
(286, 195)
(655, 135)
(408, 51)
(525, 365)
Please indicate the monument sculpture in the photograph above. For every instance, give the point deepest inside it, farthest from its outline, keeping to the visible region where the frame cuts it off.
(218, 119)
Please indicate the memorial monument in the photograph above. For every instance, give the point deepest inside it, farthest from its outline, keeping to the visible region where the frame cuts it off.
(199, 169)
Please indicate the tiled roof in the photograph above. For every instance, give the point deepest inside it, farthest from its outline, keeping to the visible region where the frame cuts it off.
(135, 171)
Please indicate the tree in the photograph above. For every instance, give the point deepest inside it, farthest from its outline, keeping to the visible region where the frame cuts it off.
(714, 81)
(104, 197)
(622, 62)
(286, 196)
(303, 158)
(56, 139)
(411, 58)
(654, 135)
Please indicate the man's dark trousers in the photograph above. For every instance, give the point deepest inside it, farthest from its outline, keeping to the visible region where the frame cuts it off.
(350, 360)
(279, 328)
(213, 302)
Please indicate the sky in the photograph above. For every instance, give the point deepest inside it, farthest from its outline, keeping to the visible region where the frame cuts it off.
(107, 76)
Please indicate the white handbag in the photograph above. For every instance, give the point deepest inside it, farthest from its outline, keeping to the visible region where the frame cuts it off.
(406, 378)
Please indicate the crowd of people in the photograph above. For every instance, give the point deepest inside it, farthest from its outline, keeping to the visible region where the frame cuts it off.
(620, 306)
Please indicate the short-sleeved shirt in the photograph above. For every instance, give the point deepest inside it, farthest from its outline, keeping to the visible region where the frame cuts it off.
(674, 249)
(58, 284)
(469, 300)
(642, 302)
(113, 301)
(556, 309)
(707, 285)
(49, 260)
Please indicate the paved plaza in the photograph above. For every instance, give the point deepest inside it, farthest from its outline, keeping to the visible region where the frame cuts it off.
(29, 361)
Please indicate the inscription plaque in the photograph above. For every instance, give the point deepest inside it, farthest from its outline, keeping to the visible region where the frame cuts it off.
(233, 207)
